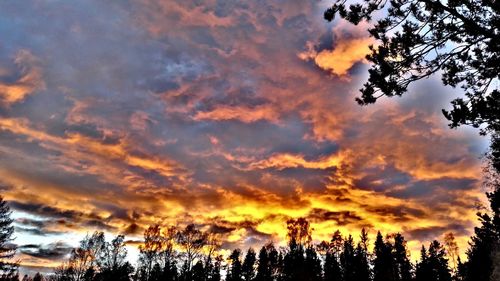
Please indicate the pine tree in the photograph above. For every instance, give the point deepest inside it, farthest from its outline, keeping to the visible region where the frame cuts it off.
(361, 261)
(484, 250)
(437, 262)
(402, 265)
(423, 272)
(347, 260)
(198, 272)
(263, 267)
(235, 269)
(248, 265)
(38, 277)
(383, 262)
(312, 265)
(332, 269)
(7, 250)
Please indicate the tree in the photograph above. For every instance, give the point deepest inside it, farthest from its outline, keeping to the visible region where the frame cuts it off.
(402, 265)
(191, 240)
(150, 251)
(38, 277)
(168, 254)
(214, 271)
(112, 261)
(8, 269)
(451, 250)
(484, 247)
(299, 238)
(113, 254)
(361, 260)
(269, 264)
(263, 266)
(312, 265)
(416, 39)
(347, 259)
(199, 273)
(383, 262)
(248, 265)
(83, 259)
(423, 272)
(437, 262)
(235, 269)
(299, 231)
(333, 250)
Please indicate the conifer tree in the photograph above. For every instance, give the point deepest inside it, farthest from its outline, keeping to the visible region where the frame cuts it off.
(438, 263)
(332, 268)
(383, 262)
(235, 267)
(423, 272)
(8, 269)
(361, 261)
(312, 265)
(248, 265)
(263, 266)
(402, 265)
(347, 260)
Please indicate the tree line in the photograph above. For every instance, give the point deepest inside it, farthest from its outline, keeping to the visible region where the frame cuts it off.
(190, 254)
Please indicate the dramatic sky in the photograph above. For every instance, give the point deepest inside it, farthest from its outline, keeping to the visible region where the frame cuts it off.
(233, 115)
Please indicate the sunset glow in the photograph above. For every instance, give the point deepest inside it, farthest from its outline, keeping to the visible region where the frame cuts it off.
(232, 115)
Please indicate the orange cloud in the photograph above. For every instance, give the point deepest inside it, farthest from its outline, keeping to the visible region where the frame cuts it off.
(30, 81)
(241, 113)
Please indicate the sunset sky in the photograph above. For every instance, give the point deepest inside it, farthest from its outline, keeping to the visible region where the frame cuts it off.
(233, 115)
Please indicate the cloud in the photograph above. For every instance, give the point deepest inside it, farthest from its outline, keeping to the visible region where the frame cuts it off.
(29, 81)
(350, 46)
(53, 251)
(430, 233)
(153, 112)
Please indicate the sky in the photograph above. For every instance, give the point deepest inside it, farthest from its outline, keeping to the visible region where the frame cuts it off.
(232, 115)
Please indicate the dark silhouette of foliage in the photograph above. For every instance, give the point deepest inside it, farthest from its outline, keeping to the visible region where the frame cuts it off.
(248, 265)
(38, 277)
(415, 39)
(235, 267)
(8, 269)
(312, 265)
(98, 260)
(263, 266)
(347, 259)
(402, 265)
(361, 259)
(332, 269)
(484, 247)
(383, 265)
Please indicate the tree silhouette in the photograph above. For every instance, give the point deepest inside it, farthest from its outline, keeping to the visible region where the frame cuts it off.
(264, 272)
(347, 260)
(451, 250)
(338, 260)
(423, 272)
(235, 269)
(8, 269)
(484, 250)
(416, 39)
(332, 269)
(248, 265)
(402, 265)
(361, 259)
(383, 267)
(191, 240)
(312, 265)
(150, 252)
